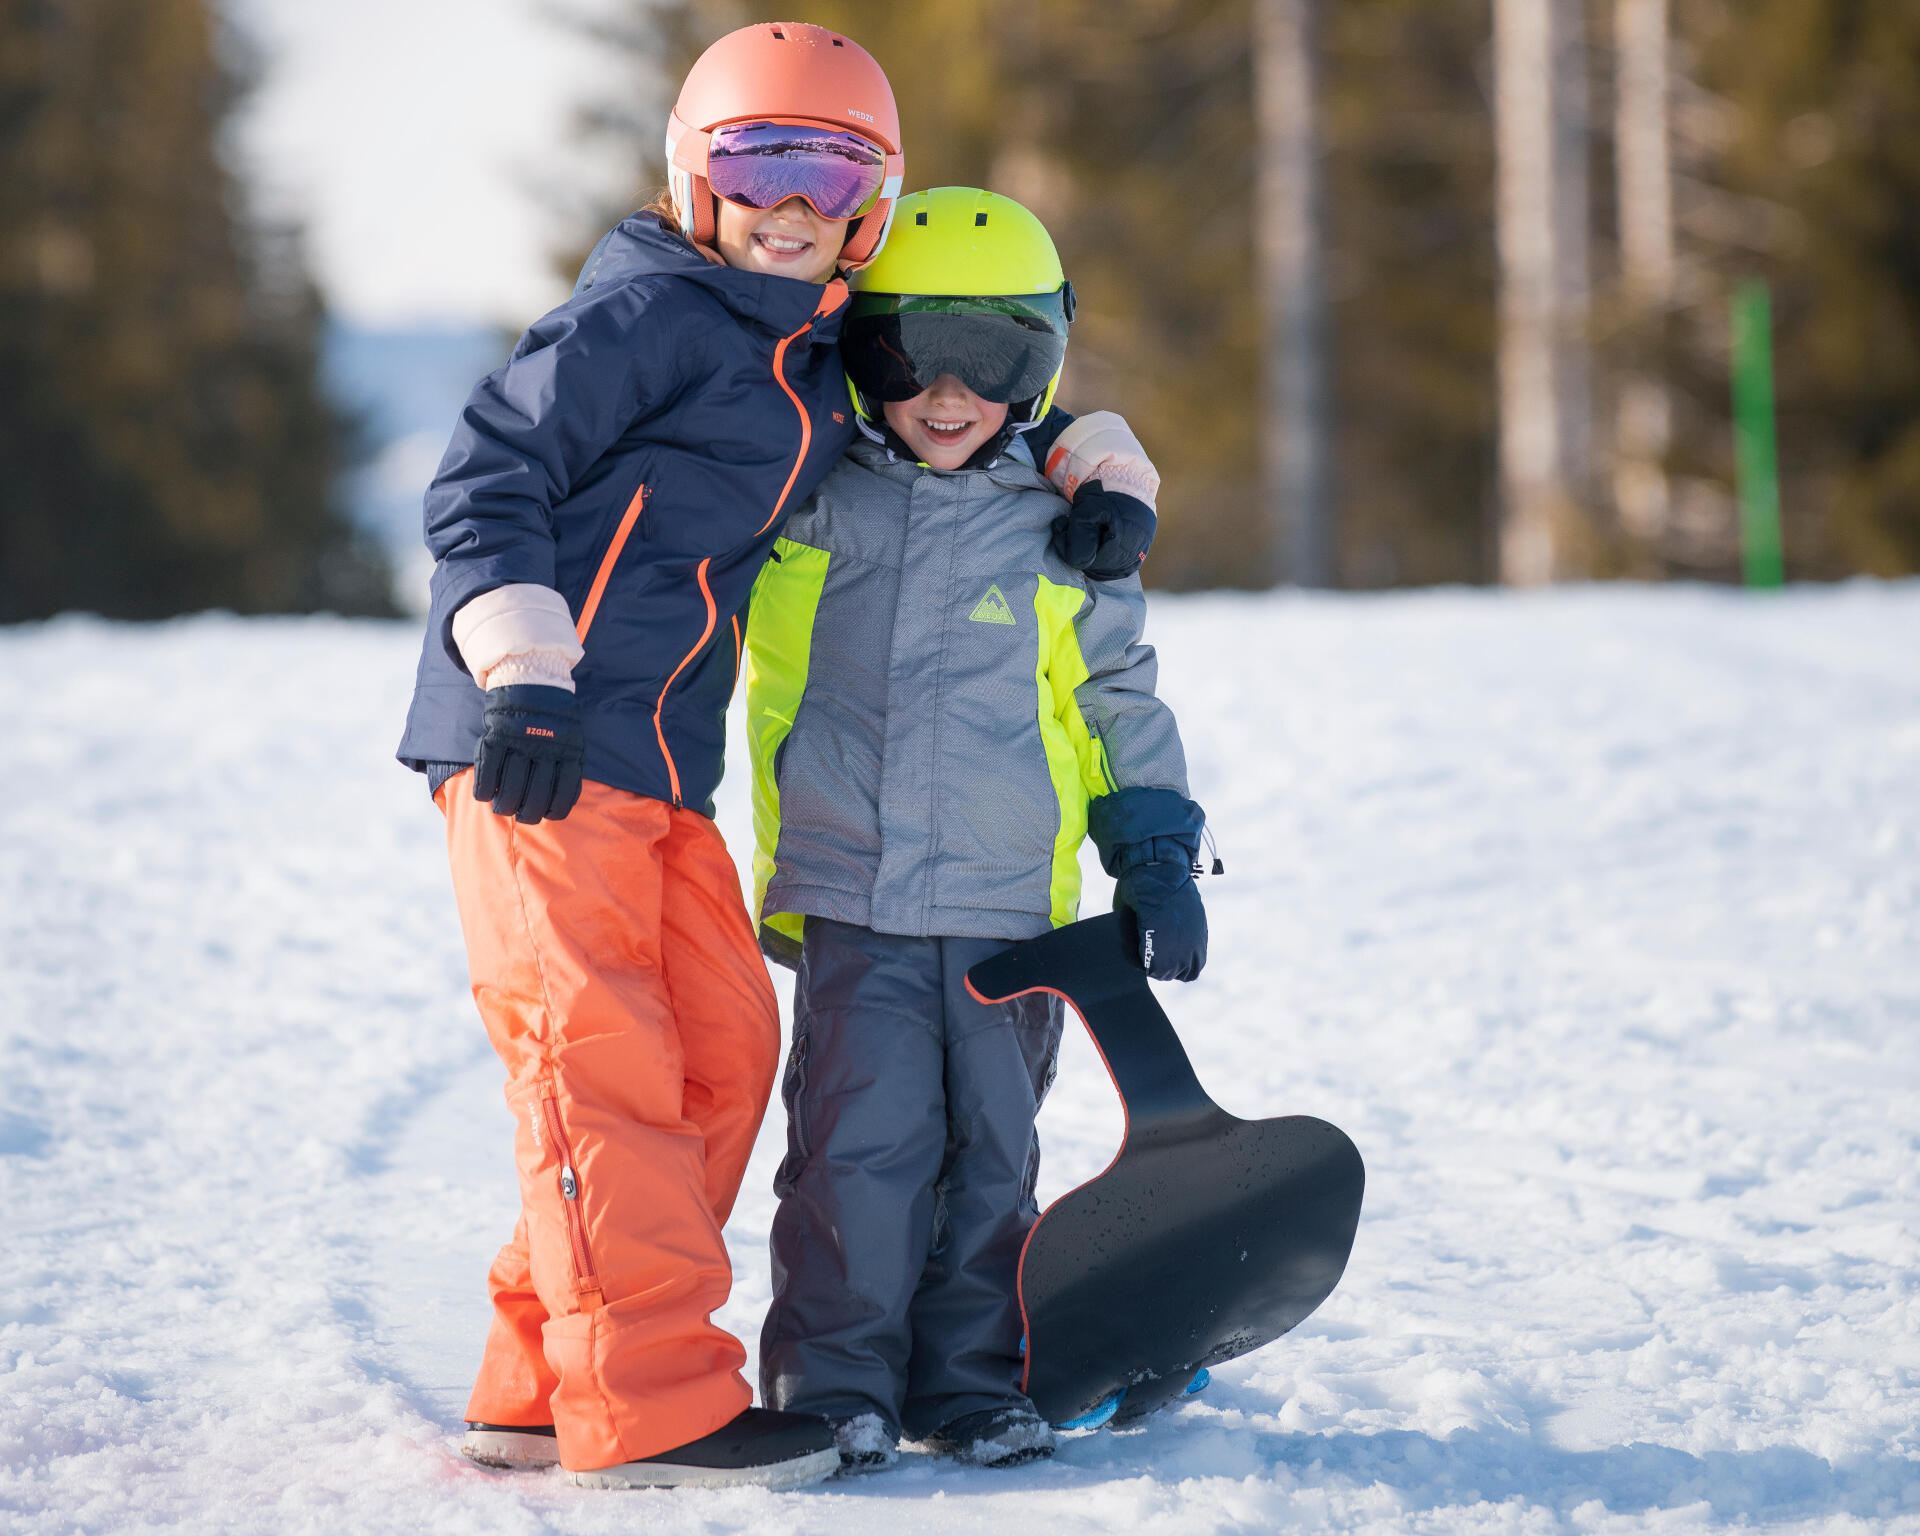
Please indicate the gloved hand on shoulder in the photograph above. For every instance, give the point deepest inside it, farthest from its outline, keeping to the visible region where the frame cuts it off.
(1105, 533)
(1149, 841)
(531, 752)
(1110, 485)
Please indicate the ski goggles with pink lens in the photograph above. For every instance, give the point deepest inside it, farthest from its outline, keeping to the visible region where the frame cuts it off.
(762, 164)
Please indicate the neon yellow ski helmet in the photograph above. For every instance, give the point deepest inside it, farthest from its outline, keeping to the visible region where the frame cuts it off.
(968, 283)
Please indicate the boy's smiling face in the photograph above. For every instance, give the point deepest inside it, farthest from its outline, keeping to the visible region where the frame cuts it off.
(945, 423)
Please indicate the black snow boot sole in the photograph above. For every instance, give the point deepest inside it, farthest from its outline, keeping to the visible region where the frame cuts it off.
(511, 1447)
(759, 1449)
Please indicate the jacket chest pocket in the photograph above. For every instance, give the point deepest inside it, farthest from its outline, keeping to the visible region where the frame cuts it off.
(726, 497)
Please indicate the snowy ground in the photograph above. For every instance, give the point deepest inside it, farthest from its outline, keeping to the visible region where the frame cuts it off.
(1594, 917)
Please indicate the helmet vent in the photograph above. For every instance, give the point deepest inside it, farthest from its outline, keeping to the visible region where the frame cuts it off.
(779, 36)
(920, 219)
(979, 218)
(838, 43)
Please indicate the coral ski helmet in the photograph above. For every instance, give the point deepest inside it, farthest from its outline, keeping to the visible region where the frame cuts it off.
(784, 109)
(969, 284)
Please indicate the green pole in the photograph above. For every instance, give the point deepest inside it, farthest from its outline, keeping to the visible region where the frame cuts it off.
(1755, 455)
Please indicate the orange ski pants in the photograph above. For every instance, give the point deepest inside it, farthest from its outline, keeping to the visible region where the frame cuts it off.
(616, 970)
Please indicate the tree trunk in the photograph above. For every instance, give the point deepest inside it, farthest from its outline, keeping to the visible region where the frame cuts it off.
(1545, 434)
(1289, 233)
(1644, 414)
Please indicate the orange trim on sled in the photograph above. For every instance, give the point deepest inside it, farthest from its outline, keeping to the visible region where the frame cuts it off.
(1126, 1127)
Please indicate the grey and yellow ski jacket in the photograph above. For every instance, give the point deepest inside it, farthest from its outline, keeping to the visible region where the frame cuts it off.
(934, 699)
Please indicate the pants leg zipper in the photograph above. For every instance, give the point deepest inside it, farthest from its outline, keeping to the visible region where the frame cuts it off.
(586, 1283)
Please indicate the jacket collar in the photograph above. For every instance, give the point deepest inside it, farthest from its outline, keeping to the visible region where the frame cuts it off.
(639, 246)
(878, 449)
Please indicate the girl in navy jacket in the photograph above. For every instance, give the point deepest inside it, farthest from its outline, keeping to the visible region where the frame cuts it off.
(598, 520)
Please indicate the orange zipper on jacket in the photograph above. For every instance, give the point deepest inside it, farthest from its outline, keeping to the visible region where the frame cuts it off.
(659, 732)
(832, 299)
(607, 560)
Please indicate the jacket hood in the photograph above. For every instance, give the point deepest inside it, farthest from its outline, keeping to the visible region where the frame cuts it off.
(639, 246)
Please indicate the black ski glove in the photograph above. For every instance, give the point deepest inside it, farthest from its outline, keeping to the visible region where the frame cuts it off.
(531, 752)
(1104, 533)
(1172, 920)
(1149, 841)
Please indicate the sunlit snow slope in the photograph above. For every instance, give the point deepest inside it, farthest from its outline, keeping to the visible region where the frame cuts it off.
(1593, 917)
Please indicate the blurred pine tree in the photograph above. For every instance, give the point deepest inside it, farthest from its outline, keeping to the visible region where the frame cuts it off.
(164, 442)
(1811, 167)
(1128, 126)
(1412, 274)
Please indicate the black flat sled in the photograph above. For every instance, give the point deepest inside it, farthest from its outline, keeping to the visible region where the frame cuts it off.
(1206, 1237)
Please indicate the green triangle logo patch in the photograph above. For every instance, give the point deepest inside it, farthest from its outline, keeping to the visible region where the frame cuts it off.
(992, 609)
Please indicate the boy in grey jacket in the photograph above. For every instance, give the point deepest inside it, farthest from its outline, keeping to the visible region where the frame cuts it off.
(941, 709)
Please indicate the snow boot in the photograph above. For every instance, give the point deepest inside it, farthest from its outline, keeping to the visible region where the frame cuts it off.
(510, 1447)
(996, 1437)
(761, 1448)
(865, 1444)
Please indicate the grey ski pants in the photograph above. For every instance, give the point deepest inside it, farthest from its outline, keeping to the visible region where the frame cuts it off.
(907, 1189)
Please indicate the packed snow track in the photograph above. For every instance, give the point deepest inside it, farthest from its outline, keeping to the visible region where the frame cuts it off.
(1593, 916)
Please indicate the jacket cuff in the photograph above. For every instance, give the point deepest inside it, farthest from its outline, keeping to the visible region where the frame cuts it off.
(540, 669)
(1101, 446)
(523, 629)
(1125, 825)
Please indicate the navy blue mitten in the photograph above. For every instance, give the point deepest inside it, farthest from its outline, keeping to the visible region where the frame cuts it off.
(1149, 841)
(531, 753)
(1104, 533)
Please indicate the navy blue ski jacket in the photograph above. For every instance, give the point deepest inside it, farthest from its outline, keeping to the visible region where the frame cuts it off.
(638, 454)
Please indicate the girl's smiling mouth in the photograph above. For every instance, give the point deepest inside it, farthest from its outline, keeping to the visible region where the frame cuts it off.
(782, 247)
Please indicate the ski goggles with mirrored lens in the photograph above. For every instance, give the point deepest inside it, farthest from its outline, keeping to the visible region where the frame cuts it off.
(1004, 349)
(761, 165)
